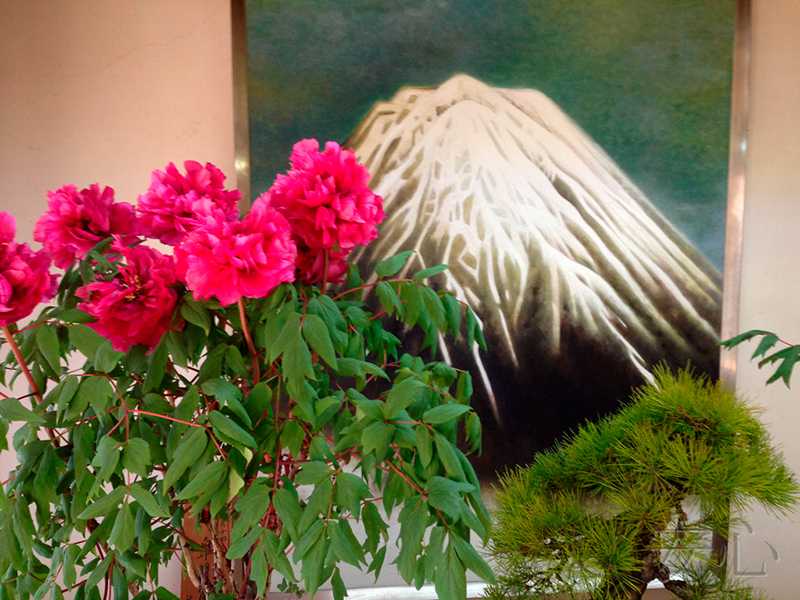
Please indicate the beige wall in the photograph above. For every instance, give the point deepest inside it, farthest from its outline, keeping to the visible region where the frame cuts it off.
(771, 269)
(106, 91)
(101, 91)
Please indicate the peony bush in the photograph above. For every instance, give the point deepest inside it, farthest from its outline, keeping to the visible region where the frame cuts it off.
(242, 381)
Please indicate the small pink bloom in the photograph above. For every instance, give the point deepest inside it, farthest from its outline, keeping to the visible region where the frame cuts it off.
(230, 260)
(311, 265)
(326, 199)
(136, 306)
(76, 221)
(175, 204)
(25, 278)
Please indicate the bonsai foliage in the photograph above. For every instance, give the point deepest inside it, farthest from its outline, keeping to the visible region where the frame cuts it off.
(606, 511)
(229, 382)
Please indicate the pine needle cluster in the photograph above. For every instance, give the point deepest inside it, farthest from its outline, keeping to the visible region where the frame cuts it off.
(605, 513)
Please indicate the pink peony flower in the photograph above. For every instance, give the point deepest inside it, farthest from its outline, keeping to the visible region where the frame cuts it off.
(326, 198)
(230, 260)
(311, 264)
(176, 204)
(76, 221)
(137, 305)
(25, 278)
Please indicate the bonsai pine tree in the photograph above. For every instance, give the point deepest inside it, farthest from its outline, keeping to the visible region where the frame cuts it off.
(606, 511)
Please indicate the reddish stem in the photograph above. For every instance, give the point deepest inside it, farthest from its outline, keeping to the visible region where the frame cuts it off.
(250, 345)
(23, 365)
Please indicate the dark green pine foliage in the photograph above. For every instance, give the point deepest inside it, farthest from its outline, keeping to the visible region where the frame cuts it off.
(607, 511)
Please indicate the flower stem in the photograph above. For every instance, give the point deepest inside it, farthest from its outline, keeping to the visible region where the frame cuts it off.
(21, 362)
(249, 339)
(325, 266)
(23, 365)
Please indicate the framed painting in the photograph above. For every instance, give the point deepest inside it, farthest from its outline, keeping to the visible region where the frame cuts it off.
(567, 160)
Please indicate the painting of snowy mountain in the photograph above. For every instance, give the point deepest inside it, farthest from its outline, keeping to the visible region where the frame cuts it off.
(567, 160)
(580, 283)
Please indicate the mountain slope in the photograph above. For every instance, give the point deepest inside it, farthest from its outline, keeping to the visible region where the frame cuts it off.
(581, 284)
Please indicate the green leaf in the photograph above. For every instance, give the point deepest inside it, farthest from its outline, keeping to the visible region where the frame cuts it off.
(121, 536)
(212, 365)
(223, 425)
(259, 570)
(450, 579)
(350, 490)
(155, 368)
(339, 589)
(788, 356)
(297, 365)
(63, 394)
(240, 547)
(429, 272)
(341, 545)
(104, 505)
(309, 539)
(470, 557)
(434, 308)
(743, 337)
(390, 266)
(377, 436)
(765, 344)
(389, 299)
(76, 315)
(377, 562)
(313, 473)
(12, 409)
(235, 360)
(448, 454)
(289, 510)
(177, 348)
(47, 340)
(359, 368)
(230, 395)
(444, 413)
(252, 506)
(474, 330)
(136, 457)
(258, 400)
(413, 523)
(445, 494)
(277, 558)
(97, 574)
(474, 431)
(208, 478)
(464, 387)
(188, 405)
(402, 395)
(148, 502)
(164, 594)
(105, 460)
(186, 454)
(107, 358)
(196, 314)
(86, 340)
(332, 315)
(409, 292)
(452, 311)
(424, 444)
(319, 338)
(97, 391)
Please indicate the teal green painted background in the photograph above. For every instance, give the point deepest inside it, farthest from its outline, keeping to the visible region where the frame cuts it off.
(649, 80)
